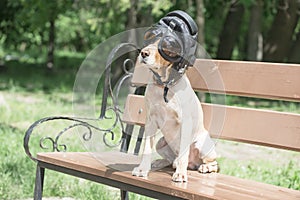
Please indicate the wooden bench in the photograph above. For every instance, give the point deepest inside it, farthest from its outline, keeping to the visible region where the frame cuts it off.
(255, 126)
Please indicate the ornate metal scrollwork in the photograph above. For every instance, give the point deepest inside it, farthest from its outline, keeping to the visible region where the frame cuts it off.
(109, 138)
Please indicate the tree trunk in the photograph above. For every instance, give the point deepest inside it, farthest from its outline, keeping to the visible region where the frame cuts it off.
(130, 37)
(254, 44)
(144, 19)
(132, 13)
(50, 59)
(294, 55)
(200, 20)
(230, 30)
(280, 35)
(132, 21)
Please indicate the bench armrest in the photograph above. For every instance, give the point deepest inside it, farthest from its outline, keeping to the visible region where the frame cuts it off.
(87, 126)
(111, 128)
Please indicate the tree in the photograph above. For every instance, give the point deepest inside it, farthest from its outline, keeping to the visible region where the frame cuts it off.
(8, 14)
(280, 34)
(230, 32)
(38, 27)
(34, 21)
(51, 41)
(200, 20)
(255, 39)
(294, 52)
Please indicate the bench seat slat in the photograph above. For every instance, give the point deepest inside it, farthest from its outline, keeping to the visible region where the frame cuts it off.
(199, 186)
(268, 128)
(252, 79)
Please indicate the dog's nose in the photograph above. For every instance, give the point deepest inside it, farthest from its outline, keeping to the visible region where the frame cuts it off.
(145, 53)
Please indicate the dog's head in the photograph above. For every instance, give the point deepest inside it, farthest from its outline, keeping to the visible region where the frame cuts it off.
(150, 56)
(170, 46)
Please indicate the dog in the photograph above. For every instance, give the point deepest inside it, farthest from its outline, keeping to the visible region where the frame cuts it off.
(179, 116)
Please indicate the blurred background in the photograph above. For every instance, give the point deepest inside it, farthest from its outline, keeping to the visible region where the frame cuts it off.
(43, 43)
(37, 31)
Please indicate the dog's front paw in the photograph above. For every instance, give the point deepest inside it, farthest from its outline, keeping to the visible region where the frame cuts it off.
(140, 171)
(209, 167)
(180, 177)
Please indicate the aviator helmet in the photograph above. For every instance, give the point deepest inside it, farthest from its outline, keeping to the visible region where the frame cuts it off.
(177, 32)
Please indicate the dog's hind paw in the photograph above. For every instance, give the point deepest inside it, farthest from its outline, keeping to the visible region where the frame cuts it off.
(179, 177)
(209, 167)
(138, 171)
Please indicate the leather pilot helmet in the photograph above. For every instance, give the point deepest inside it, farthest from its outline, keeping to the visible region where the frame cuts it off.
(177, 32)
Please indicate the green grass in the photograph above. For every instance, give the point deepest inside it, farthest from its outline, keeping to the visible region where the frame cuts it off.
(263, 164)
(17, 171)
(28, 93)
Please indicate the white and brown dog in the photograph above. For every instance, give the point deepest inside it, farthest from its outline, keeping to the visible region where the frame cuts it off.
(175, 110)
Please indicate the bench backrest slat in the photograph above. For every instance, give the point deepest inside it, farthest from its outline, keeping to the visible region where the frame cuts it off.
(252, 79)
(268, 128)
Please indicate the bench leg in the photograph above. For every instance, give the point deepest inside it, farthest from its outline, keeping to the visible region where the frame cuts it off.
(124, 195)
(39, 182)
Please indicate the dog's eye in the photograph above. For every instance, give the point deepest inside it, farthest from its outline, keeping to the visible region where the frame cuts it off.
(171, 47)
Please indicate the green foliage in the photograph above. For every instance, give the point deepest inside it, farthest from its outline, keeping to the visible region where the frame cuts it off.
(81, 25)
(159, 8)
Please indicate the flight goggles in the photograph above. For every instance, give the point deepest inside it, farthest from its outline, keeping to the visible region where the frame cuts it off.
(170, 45)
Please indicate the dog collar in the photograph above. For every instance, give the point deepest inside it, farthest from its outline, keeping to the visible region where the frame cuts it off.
(172, 80)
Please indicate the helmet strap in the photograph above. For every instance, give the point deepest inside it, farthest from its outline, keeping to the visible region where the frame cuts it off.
(171, 80)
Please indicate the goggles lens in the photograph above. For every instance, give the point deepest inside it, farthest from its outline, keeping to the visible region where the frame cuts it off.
(170, 47)
(152, 35)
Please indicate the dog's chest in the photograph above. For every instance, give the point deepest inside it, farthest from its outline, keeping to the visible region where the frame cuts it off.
(158, 109)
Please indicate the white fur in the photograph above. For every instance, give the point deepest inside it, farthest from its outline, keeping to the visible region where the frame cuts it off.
(186, 142)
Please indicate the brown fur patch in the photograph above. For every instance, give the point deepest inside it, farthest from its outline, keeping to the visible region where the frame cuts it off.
(164, 66)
